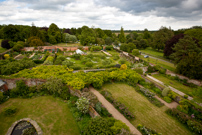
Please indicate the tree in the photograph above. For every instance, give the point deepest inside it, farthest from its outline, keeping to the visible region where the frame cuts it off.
(122, 37)
(11, 32)
(195, 33)
(146, 34)
(108, 41)
(143, 44)
(161, 37)
(5, 44)
(136, 52)
(35, 41)
(18, 46)
(87, 36)
(188, 56)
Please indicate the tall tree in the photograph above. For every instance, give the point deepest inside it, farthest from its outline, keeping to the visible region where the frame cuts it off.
(122, 37)
(188, 57)
(161, 37)
(11, 32)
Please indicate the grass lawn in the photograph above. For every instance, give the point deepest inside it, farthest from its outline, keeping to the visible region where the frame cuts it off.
(164, 64)
(68, 44)
(145, 112)
(153, 52)
(177, 85)
(52, 115)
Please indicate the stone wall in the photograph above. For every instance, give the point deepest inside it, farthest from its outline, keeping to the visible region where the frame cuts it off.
(11, 83)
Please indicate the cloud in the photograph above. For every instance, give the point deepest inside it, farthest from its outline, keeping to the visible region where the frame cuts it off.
(110, 14)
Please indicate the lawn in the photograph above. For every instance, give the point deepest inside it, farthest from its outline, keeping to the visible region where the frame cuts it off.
(174, 83)
(68, 44)
(52, 115)
(153, 52)
(145, 112)
(164, 64)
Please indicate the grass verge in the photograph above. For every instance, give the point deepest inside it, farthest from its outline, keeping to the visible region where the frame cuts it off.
(146, 113)
(52, 115)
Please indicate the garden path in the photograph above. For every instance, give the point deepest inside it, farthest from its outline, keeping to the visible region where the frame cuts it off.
(173, 89)
(115, 113)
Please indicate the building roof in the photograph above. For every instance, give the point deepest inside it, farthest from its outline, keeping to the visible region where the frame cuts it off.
(2, 83)
(78, 51)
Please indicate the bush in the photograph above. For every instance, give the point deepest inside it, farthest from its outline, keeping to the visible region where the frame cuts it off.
(115, 57)
(6, 56)
(67, 63)
(123, 67)
(146, 131)
(122, 61)
(136, 52)
(83, 105)
(75, 67)
(138, 70)
(106, 62)
(38, 61)
(165, 91)
(109, 47)
(89, 64)
(185, 96)
(8, 111)
(167, 99)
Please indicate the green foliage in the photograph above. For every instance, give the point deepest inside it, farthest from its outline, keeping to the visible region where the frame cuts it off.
(35, 41)
(188, 60)
(106, 62)
(15, 66)
(118, 125)
(18, 46)
(54, 85)
(76, 83)
(49, 60)
(109, 47)
(167, 99)
(122, 61)
(128, 47)
(185, 96)
(123, 67)
(83, 105)
(146, 131)
(160, 37)
(122, 37)
(67, 63)
(8, 111)
(95, 48)
(136, 52)
(105, 126)
(89, 64)
(138, 70)
(165, 91)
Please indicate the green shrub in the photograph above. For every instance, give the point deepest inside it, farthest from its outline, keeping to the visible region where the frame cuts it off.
(122, 61)
(138, 70)
(115, 57)
(106, 62)
(165, 91)
(167, 99)
(118, 125)
(185, 96)
(89, 64)
(75, 67)
(67, 63)
(136, 52)
(8, 111)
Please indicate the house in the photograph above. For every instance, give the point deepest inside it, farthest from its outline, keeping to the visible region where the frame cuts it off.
(3, 86)
(78, 51)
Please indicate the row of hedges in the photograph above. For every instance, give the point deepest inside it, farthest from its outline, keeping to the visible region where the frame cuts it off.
(80, 80)
(118, 105)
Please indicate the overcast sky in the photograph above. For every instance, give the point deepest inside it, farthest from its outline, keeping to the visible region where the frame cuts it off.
(105, 14)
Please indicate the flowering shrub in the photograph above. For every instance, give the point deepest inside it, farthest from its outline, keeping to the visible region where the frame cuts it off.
(83, 105)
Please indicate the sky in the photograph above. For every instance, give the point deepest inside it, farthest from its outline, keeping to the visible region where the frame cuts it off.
(105, 14)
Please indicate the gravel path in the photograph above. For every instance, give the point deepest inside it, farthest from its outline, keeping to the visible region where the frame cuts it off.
(115, 113)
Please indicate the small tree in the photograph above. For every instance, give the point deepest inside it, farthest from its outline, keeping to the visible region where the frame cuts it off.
(83, 105)
(165, 91)
(54, 85)
(136, 52)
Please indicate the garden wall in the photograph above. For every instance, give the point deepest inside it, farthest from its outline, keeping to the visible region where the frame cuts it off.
(11, 83)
